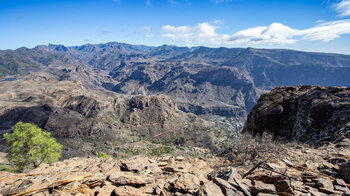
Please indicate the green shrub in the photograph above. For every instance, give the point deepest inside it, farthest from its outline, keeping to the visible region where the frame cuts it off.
(31, 146)
(102, 155)
(181, 140)
(161, 150)
(4, 167)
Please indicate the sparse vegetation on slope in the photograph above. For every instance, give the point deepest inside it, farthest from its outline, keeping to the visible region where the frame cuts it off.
(249, 149)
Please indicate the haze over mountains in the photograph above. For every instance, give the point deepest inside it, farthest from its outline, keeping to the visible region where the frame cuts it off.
(201, 80)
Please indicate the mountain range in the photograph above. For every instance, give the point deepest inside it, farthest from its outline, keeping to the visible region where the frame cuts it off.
(201, 80)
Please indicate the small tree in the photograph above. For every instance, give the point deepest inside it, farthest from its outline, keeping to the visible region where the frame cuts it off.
(31, 146)
(102, 155)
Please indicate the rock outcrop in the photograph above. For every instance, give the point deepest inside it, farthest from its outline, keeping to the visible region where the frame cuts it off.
(309, 114)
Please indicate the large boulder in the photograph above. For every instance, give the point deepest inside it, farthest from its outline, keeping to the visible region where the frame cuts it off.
(187, 183)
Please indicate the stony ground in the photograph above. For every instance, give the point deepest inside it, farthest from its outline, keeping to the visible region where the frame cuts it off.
(300, 171)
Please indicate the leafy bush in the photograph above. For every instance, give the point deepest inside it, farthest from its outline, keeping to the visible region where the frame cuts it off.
(31, 146)
(161, 150)
(181, 140)
(102, 155)
(4, 167)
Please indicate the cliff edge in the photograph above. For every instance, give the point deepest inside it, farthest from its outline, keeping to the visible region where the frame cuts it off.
(310, 114)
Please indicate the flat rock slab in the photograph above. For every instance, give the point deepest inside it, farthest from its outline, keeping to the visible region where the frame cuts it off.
(105, 190)
(136, 165)
(188, 183)
(130, 179)
(210, 189)
(283, 186)
(266, 178)
(225, 186)
(261, 187)
(127, 191)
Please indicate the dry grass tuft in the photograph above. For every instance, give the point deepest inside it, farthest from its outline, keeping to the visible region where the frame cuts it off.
(248, 149)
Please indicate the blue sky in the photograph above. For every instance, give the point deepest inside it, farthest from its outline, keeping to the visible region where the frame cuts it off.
(309, 25)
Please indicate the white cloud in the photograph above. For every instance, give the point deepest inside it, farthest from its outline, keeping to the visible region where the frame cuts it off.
(203, 32)
(343, 8)
(327, 31)
(275, 33)
(147, 30)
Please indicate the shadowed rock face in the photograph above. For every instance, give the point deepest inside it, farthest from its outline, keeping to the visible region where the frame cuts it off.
(81, 115)
(310, 114)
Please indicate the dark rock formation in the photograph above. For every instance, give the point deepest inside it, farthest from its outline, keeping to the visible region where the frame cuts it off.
(345, 171)
(310, 114)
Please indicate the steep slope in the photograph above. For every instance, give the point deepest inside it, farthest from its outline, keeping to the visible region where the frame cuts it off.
(103, 56)
(271, 68)
(24, 60)
(214, 90)
(310, 114)
(85, 121)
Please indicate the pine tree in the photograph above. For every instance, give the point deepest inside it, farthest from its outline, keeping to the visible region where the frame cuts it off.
(31, 146)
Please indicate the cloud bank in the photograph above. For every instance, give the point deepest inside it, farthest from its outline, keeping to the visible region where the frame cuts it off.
(275, 33)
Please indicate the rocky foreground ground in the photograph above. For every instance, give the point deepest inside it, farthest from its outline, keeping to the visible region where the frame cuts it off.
(299, 171)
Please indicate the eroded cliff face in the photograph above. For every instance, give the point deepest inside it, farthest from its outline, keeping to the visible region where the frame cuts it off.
(199, 89)
(310, 114)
